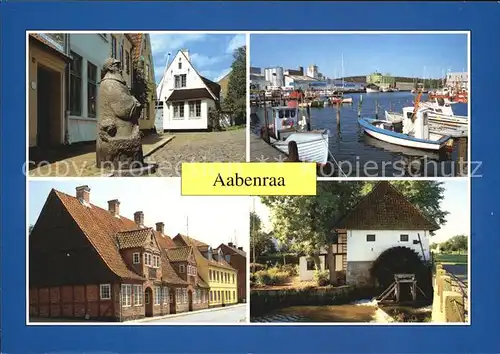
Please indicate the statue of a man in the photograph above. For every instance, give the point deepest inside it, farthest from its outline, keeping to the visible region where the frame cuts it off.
(118, 142)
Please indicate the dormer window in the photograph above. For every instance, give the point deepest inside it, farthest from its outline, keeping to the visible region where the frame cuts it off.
(181, 268)
(136, 258)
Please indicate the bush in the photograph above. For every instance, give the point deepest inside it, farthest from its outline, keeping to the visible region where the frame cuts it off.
(255, 267)
(291, 269)
(322, 277)
(271, 276)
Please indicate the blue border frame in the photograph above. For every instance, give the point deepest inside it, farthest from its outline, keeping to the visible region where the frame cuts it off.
(484, 21)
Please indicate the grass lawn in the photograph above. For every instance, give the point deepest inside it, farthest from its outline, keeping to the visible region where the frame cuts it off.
(450, 258)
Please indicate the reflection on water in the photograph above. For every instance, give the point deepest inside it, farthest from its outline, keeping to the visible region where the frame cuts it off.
(362, 155)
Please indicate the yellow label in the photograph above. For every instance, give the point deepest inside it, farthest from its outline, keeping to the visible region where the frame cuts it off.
(219, 178)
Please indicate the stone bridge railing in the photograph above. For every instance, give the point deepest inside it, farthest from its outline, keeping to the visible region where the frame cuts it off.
(451, 301)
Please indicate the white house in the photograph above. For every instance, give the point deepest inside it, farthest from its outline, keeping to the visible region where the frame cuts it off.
(185, 96)
(88, 52)
(382, 219)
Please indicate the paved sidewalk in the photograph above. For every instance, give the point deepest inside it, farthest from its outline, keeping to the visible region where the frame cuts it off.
(79, 160)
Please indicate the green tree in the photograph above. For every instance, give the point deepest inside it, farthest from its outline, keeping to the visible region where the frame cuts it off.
(235, 100)
(306, 222)
(458, 243)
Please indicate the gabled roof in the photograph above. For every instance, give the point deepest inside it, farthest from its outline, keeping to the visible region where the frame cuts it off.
(213, 88)
(201, 247)
(231, 250)
(133, 238)
(179, 254)
(100, 228)
(385, 208)
(169, 275)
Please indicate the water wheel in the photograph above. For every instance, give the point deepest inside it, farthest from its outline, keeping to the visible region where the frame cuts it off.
(402, 260)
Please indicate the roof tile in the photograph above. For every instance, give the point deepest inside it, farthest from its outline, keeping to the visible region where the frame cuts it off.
(385, 208)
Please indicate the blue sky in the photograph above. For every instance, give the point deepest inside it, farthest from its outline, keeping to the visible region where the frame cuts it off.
(456, 202)
(213, 220)
(211, 54)
(397, 54)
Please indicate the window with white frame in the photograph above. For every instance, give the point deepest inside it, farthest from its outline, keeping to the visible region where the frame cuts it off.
(180, 64)
(165, 295)
(195, 109)
(146, 259)
(181, 268)
(157, 295)
(180, 81)
(178, 109)
(105, 291)
(136, 258)
(194, 299)
(178, 295)
(156, 261)
(233, 278)
(126, 295)
(185, 295)
(137, 295)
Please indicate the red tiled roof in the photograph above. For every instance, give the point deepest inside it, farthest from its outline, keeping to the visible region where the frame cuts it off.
(164, 241)
(179, 254)
(168, 273)
(136, 39)
(385, 208)
(232, 250)
(132, 238)
(100, 228)
(103, 230)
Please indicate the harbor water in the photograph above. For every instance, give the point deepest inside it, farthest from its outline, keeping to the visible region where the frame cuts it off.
(360, 155)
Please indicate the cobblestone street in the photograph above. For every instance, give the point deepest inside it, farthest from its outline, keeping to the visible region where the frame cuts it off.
(226, 146)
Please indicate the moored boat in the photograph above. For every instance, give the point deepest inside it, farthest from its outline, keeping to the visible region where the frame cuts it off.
(312, 145)
(412, 131)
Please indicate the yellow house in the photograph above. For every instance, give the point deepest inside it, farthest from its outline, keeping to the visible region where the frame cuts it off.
(47, 62)
(142, 57)
(223, 282)
(121, 49)
(214, 270)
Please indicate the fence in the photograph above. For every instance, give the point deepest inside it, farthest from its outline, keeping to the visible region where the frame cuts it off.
(451, 300)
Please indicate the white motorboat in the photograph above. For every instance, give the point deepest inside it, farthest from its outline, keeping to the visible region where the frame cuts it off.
(372, 90)
(312, 145)
(412, 131)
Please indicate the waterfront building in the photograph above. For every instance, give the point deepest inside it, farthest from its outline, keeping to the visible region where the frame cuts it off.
(457, 79)
(275, 76)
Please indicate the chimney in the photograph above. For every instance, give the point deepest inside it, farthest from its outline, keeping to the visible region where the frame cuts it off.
(139, 218)
(186, 53)
(83, 194)
(160, 227)
(240, 248)
(114, 207)
(230, 244)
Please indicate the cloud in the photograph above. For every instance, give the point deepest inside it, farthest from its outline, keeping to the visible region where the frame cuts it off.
(214, 75)
(202, 61)
(162, 44)
(237, 41)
